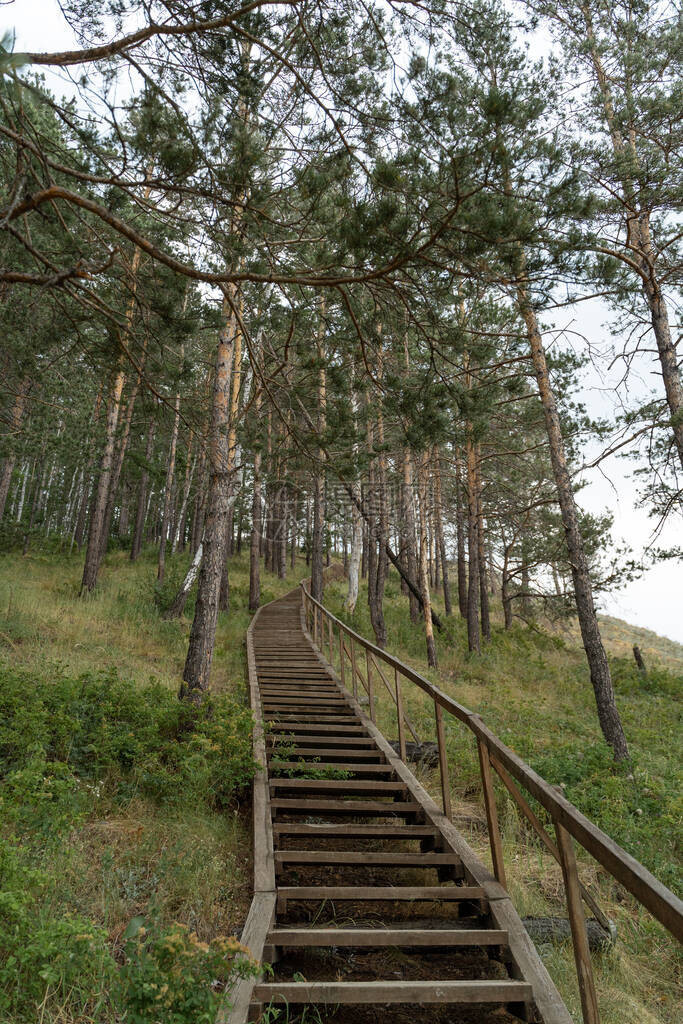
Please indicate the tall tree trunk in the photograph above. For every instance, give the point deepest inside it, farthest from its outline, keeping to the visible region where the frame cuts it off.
(28, 475)
(235, 391)
(170, 472)
(35, 503)
(505, 586)
(317, 540)
(124, 518)
(438, 521)
(356, 525)
(255, 544)
(141, 511)
(473, 636)
(79, 533)
(197, 671)
(16, 417)
(408, 527)
(177, 607)
(282, 545)
(601, 679)
(639, 248)
(178, 541)
(93, 554)
(461, 529)
(481, 558)
(423, 556)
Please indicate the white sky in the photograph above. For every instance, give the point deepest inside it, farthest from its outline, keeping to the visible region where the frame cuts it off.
(654, 601)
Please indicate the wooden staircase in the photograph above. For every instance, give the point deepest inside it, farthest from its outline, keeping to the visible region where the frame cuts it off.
(366, 894)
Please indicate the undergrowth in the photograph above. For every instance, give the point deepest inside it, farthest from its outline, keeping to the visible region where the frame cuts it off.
(533, 690)
(125, 864)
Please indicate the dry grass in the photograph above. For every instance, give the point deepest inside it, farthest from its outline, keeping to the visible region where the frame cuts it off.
(533, 691)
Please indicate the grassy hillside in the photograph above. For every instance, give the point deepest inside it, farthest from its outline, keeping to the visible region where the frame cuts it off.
(620, 636)
(119, 813)
(533, 690)
(121, 818)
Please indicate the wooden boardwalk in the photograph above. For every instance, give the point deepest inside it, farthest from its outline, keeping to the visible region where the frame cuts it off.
(365, 893)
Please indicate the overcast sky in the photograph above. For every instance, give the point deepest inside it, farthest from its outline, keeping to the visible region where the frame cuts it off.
(654, 601)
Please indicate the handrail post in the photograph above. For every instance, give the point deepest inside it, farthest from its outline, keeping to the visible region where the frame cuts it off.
(577, 923)
(443, 761)
(368, 671)
(399, 716)
(330, 635)
(354, 681)
(491, 813)
(342, 670)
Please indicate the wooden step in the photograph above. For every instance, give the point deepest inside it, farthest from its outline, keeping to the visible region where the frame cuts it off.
(378, 937)
(342, 766)
(382, 992)
(381, 893)
(346, 786)
(313, 742)
(349, 830)
(351, 755)
(388, 808)
(297, 718)
(388, 857)
(305, 727)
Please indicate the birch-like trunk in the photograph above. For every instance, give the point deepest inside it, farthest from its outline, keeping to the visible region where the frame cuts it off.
(177, 606)
(423, 559)
(461, 531)
(441, 543)
(170, 472)
(16, 417)
(601, 678)
(197, 671)
(141, 511)
(93, 554)
(317, 539)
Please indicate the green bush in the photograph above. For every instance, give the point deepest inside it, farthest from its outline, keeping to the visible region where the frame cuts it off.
(100, 729)
(66, 746)
(170, 976)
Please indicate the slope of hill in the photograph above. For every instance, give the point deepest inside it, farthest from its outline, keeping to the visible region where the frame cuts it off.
(619, 638)
(533, 689)
(138, 816)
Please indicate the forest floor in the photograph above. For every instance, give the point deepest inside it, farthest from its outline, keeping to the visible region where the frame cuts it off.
(532, 689)
(110, 810)
(113, 812)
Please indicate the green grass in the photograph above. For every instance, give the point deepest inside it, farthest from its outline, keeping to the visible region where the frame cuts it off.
(533, 690)
(120, 820)
(125, 840)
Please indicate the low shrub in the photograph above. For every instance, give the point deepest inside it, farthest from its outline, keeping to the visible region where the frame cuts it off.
(75, 749)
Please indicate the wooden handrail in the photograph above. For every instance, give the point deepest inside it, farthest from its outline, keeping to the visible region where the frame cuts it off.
(662, 903)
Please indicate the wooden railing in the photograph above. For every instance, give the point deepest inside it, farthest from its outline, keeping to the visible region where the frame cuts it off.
(329, 632)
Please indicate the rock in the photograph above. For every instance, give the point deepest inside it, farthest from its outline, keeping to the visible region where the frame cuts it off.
(556, 930)
(426, 754)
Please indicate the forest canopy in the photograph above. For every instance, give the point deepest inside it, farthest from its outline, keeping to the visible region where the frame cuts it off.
(292, 270)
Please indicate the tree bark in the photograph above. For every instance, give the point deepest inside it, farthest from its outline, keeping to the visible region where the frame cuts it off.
(441, 544)
(461, 529)
(423, 557)
(177, 607)
(317, 541)
(481, 559)
(601, 679)
(473, 635)
(356, 551)
(93, 554)
(170, 472)
(639, 247)
(141, 511)
(197, 671)
(16, 417)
